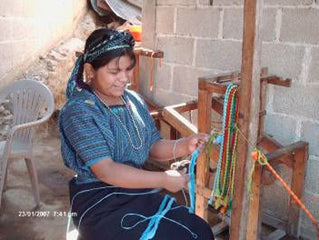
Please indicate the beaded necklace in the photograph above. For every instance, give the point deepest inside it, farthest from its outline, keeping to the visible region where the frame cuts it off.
(122, 124)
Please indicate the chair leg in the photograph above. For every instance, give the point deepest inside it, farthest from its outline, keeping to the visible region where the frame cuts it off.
(3, 175)
(34, 180)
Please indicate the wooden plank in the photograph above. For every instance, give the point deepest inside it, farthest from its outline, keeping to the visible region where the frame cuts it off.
(202, 168)
(219, 228)
(268, 218)
(262, 99)
(177, 121)
(277, 81)
(245, 222)
(217, 105)
(275, 235)
(184, 107)
(148, 52)
(211, 86)
(285, 154)
(297, 186)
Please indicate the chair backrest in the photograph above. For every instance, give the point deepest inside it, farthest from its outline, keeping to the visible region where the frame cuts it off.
(30, 100)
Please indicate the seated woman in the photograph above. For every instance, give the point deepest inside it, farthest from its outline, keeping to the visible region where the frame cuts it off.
(107, 134)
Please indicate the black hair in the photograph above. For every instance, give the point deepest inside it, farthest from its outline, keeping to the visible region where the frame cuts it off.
(97, 37)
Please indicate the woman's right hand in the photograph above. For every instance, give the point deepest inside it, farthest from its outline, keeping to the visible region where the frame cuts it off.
(175, 181)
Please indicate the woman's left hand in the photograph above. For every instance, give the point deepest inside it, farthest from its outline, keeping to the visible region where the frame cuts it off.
(194, 141)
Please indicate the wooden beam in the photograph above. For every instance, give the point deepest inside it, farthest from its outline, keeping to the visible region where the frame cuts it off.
(184, 107)
(177, 121)
(245, 222)
(202, 168)
(297, 186)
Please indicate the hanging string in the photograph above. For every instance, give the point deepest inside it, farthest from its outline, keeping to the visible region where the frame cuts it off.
(224, 179)
(191, 183)
(151, 71)
(259, 157)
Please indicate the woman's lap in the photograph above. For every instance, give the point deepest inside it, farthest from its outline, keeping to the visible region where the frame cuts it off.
(104, 220)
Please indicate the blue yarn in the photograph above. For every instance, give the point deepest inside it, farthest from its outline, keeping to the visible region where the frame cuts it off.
(149, 233)
(191, 184)
(221, 139)
(165, 206)
(194, 235)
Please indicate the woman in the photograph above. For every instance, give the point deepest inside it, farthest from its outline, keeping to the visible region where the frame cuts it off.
(107, 134)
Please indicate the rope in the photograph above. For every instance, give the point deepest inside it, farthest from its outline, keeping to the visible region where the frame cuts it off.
(154, 220)
(191, 183)
(151, 71)
(224, 179)
(259, 157)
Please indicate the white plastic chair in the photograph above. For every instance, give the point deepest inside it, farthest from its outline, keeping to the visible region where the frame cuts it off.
(32, 103)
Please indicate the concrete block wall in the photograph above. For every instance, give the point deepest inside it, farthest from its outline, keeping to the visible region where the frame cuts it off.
(29, 28)
(204, 37)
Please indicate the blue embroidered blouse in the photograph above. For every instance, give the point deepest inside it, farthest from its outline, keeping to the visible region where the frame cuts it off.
(90, 132)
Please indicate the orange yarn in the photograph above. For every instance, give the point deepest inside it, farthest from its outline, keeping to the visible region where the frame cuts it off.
(256, 155)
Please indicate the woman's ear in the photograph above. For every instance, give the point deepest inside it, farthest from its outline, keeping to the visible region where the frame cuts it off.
(89, 73)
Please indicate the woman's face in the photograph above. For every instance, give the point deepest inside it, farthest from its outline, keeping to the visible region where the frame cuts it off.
(111, 79)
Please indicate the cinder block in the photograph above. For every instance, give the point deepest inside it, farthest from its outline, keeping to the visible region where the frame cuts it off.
(205, 2)
(166, 98)
(311, 201)
(20, 29)
(16, 8)
(198, 22)
(149, 24)
(282, 60)
(282, 128)
(185, 79)
(221, 55)
(268, 29)
(297, 101)
(300, 25)
(165, 20)
(310, 133)
(176, 2)
(163, 76)
(233, 24)
(313, 69)
(228, 2)
(312, 175)
(288, 2)
(176, 49)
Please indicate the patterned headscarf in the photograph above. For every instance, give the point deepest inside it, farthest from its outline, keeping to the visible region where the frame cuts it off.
(112, 41)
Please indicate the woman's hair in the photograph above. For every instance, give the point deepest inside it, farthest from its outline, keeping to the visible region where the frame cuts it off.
(102, 46)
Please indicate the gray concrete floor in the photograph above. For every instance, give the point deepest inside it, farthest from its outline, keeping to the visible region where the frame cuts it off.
(18, 202)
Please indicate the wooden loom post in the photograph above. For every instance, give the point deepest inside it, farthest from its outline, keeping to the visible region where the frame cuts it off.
(202, 169)
(297, 185)
(245, 214)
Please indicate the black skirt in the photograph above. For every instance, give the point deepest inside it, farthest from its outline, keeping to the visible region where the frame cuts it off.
(98, 212)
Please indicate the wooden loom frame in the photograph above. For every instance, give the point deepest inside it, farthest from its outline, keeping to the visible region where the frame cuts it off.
(294, 156)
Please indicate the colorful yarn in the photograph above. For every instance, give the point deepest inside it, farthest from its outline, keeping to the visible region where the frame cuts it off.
(260, 157)
(191, 183)
(224, 179)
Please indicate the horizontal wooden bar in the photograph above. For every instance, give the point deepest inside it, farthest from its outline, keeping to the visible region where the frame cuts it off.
(268, 217)
(184, 107)
(277, 81)
(285, 154)
(211, 86)
(275, 235)
(148, 52)
(177, 121)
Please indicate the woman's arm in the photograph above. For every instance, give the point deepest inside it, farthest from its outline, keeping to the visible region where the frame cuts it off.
(164, 150)
(125, 176)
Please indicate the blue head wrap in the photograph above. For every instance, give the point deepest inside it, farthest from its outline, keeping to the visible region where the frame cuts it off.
(113, 40)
